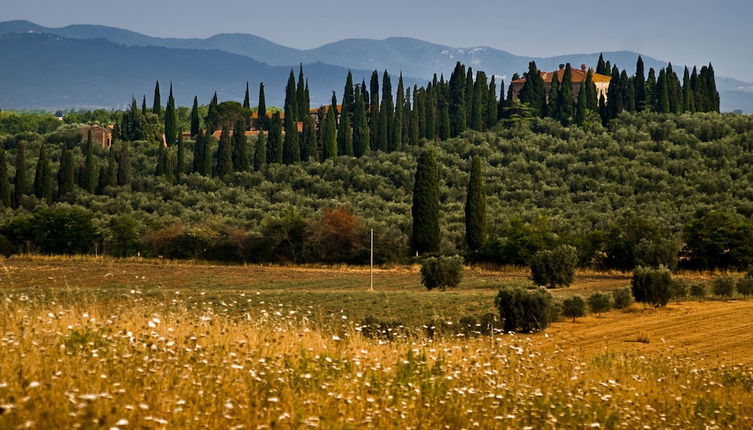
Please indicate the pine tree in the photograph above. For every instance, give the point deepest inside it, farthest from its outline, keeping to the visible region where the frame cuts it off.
(195, 124)
(308, 145)
(89, 177)
(43, 176)
(22, 182)
(425, 209)
(262, 123)
(180, 161)
(240, 152)
(582, 108)
(224, 155)
(329, 144)
(475, 208)
(640, 86)
(157, 104)
(4, 182)
(124, 166)
(171, 120)
(260, 152)
(292, 149)
(66, 172)
(247, 98)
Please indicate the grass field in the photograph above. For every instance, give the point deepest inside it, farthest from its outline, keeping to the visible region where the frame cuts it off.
(129, 344)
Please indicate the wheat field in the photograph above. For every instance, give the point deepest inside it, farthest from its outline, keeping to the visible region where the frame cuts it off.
(113, 351)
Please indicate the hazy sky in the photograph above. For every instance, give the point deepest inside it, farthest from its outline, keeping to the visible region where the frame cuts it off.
(681, 31)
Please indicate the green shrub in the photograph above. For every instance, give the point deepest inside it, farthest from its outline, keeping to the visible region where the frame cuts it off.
(622, 298)
(599, 303)
(723, 286)
(442, 272)
(679, 289)
(526, 310)
(652, 285)
(698, 290)
(555, 267)
(573, 307)
(745, 285)
(6, 248)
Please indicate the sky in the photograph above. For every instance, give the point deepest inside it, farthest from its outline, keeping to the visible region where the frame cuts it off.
(681, 31)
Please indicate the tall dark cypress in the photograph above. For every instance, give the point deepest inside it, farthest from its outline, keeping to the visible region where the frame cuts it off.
(627, 92)
(429, 111)
(161, 169)
(209, 122)
(468, 96)
(396, 142)
(224, 155)
(157, 103)
(180, 160)
(673, 94)
(688, 99)
(425, 209)
(414, 135)
(4, 182)
(374, 108)
(292, 149)
(89, 177)
(260, 151)
(345, 126)
(662, 93)
(386, 110)
(261, 122)
(552, 107)
(274, 141)
(457, 106)
(475, 208)
(582, 107)
(300, 92)
(711, 91)
(651, 90)
(66, 171)
(478, 101)
(171, 120)
(198, 153)
(361, 132)
(329, 138)
(124, 166)
(111, 172)
(565, 96)
(592, 97)
(348, 104)
(491, 104)
(247, 98)
(43, 176)
(22, 180)
(640, 86)
(601, 66)
(614, 97)
(144, 111)
(533, 90)
(240, 150)
(205, 162)
(195, 123)
(308, 145)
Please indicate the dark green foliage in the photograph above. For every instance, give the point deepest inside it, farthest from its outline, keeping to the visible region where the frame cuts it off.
(195, 122)
(491, 104)
(719, 240)
(526, 310)
(552, 107)
(302, 97)
(4, 181)
(171, 120)
(157, 104)
(6, 248)
(698, 290)
(615, 99)
(592, 98)
(456, 103)
(622, 298)
(652, 285)
(425, 209)
(582, 108)
(22, 177)
(361, 132)
(639, 241)
(260, 152)
(59, 229)
(475, 208)
(240, 150)
(224, 155)
(180, 161)
(162, 155)
(679, 289)
(262, 123)
(554, 267)
(247, 98)
(124, 166)
(385, 119)
(744, 285)
(723, 286)
(291, 146)
(441, 272)
(565, 102)
(533, 92)
(124, 235)
(109, 175)
(309, 149)
(601, 66)
(640, 85)
(43, 176)
(598, 303)
(89, 175)
(274, 142)
(573, 307)
(329, 144)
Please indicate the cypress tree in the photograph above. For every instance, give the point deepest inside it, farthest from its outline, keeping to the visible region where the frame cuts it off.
(601, 66)
(672, 84)
(502, 101)
(22, 182)
(43, 176)
(533, 91)
(89, 177)
(262, 110)
(443, 116)
(66, 172)
(592, 98)
(640, 86)
(260, 152)
(143, 105)
(361, 132)
(111, 172)
(169, 167)
(247, 98)
(478, 101)
(491, 105)
(468, 96)
(308, 146)
(711, 91)
(552, 109)
(4, 182)
(206, 155)
(430, 112)
(224, 155)
(457, 105)
(171, 120)
(195, 124)
(157, 104)
(374, 108)
(702, 102)
(209, 121)
(627, 92)
(161, 169)
(565, 96)
(180, 162)
(274, 141)
(329, 144)
(240, 152)
(425, 209)
(124, 166)
(662, 93)
(348, 105)
(198, 153)
(386, 110)
(396, 142)
(651, 90)
(603, 113)
(414, 135)
(475, 208)
(580, 113)
(688, 100)
(614, 96)
(306, 106)
(608, 68)
(301, 102)
(292, 149)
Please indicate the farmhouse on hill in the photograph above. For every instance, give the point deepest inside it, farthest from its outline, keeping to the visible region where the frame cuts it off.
(579, 77)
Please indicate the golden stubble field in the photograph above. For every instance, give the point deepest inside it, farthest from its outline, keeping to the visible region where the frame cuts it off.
(87, 344)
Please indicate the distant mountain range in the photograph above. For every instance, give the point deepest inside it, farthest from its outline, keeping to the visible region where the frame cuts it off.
(226, 61)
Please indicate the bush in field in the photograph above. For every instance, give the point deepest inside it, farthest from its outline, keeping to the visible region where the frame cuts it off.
(679, 289)
(526, 310)
(442, 272)
(58, 229)
(698, 290)
(622, 298)
(6, 249)
(554, 267)
(599, 303)
(745, 285)
(573, 307)
(652, 285)
(723, 286)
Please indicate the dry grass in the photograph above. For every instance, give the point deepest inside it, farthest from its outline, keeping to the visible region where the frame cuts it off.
(90, 346)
